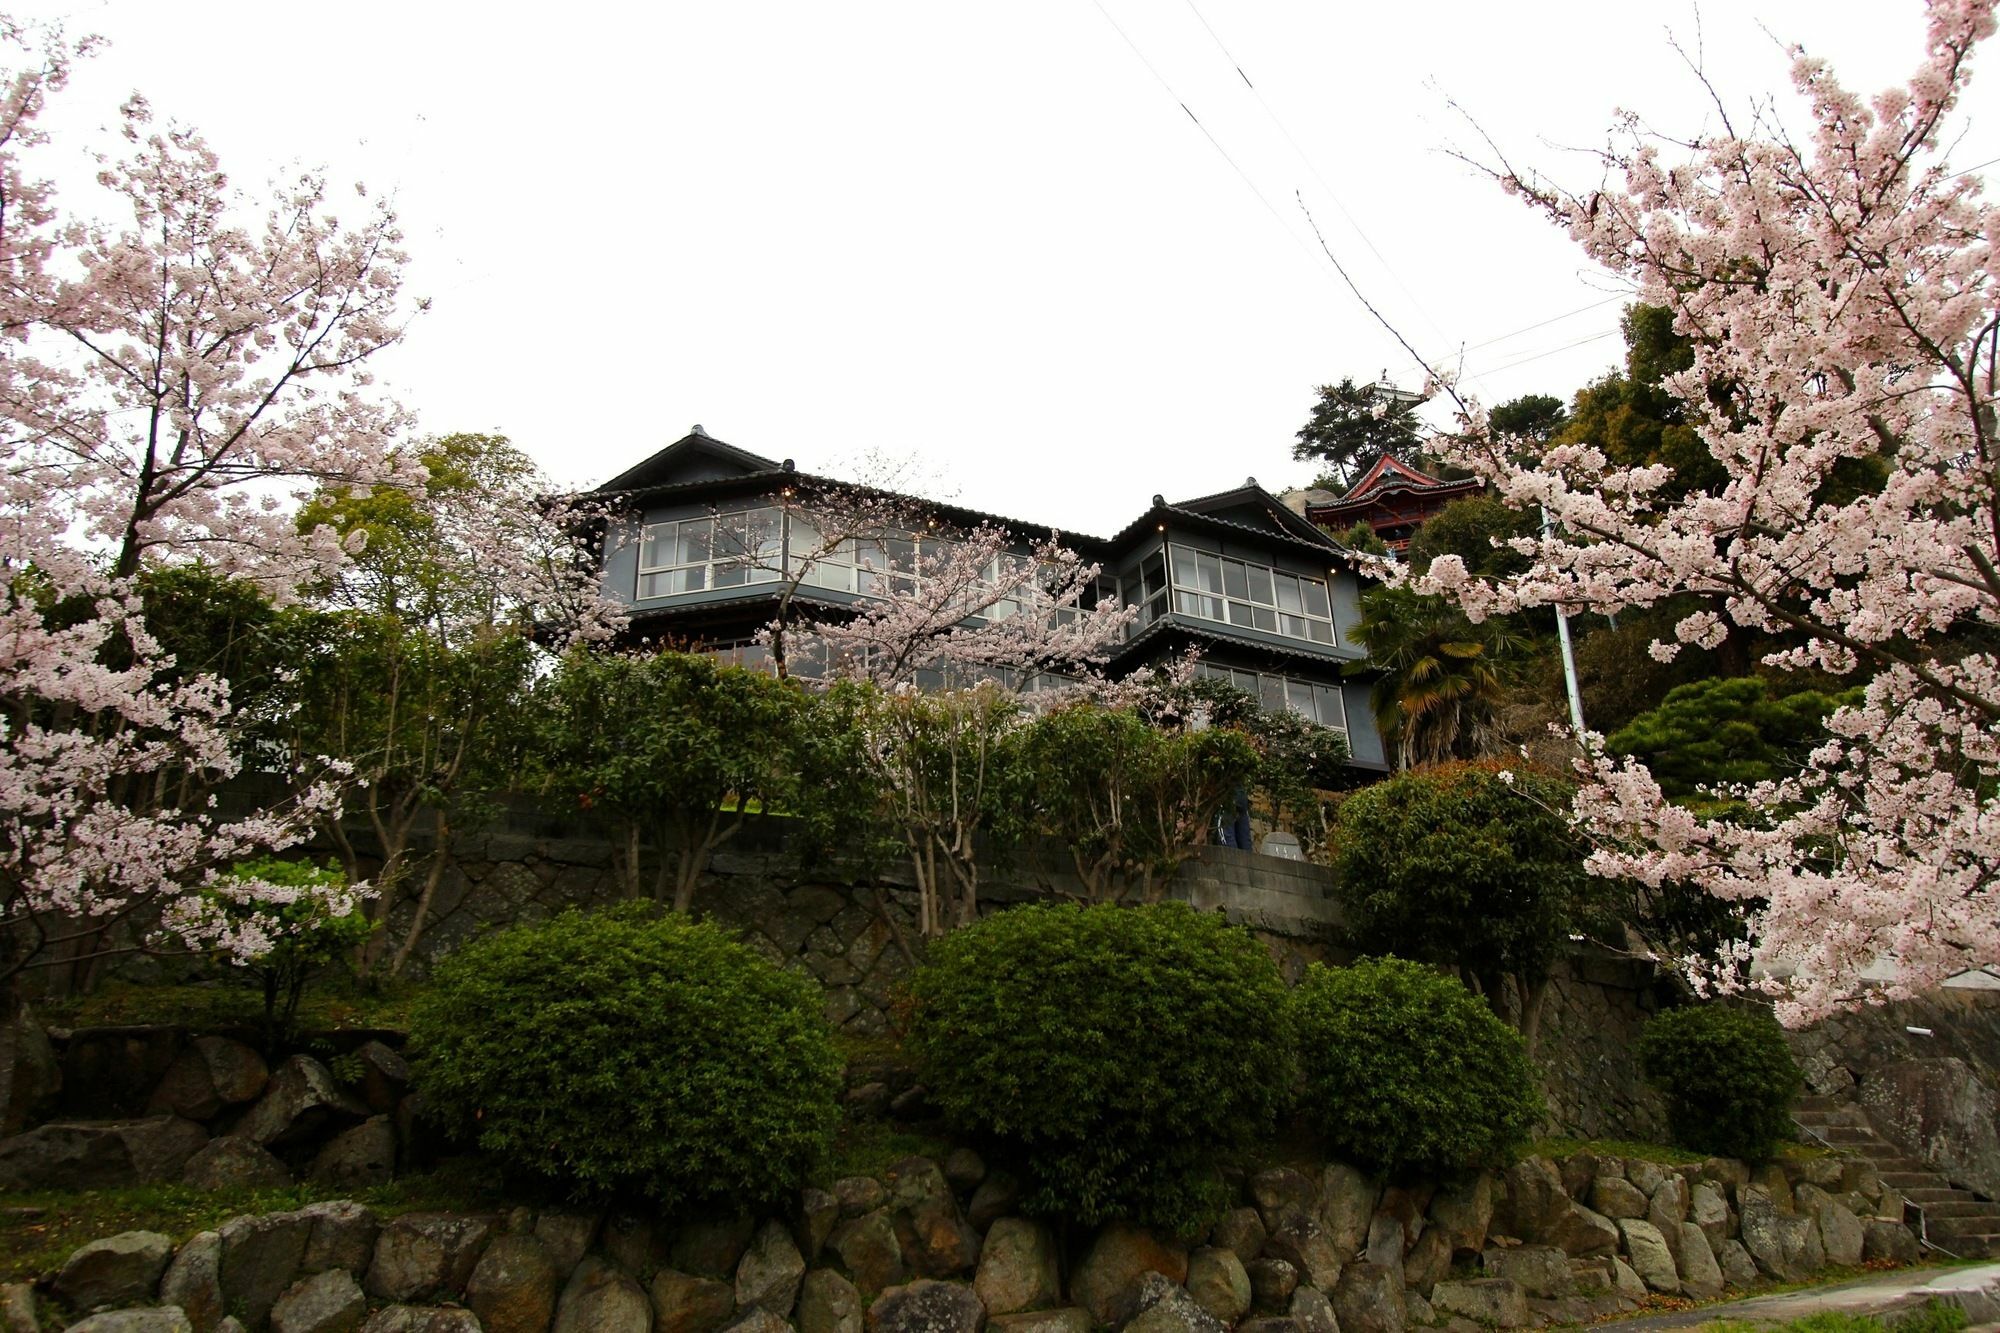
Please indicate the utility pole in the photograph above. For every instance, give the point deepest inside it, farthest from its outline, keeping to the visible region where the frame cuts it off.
(1568, 652)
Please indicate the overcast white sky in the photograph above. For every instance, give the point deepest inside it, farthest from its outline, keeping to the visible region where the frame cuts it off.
(984, 235)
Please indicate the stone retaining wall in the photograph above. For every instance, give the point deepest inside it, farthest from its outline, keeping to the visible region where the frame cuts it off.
(933, 1246)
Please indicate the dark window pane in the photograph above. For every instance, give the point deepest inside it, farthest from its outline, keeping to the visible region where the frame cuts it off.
(1315, 597)
(1235, 579)
(1260, 584)
(1288, 594)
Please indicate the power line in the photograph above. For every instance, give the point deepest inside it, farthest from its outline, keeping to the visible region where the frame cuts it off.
(1530, 328)
(1307, 162)
(1215, 143)
(1595, 337)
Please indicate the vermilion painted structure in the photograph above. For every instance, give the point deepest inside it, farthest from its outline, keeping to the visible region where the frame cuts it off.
(1393, 498)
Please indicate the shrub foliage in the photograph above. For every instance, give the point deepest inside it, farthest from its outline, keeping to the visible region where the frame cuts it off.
(1111, 1051)
(1408, 1073)
(1728, 1077)
(621, 1054)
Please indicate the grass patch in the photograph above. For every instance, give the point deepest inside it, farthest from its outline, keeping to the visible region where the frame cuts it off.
(210, 1005)
(39, 1230)
(1664, 1154)
(1934, 1316)
(870, 1147)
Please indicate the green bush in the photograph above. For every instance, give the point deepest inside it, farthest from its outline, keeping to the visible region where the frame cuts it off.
(1728, 1078)
(1112, 1052)
(616, 1053)
(1408, 1073)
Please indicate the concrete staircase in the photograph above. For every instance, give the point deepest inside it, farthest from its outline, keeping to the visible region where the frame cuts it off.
(1957, 1221)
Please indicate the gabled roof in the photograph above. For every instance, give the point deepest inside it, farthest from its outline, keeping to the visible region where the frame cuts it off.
(1267, 507)
(684, 454)
(1390, 471)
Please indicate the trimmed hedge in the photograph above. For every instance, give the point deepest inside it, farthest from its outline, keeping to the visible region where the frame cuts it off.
(1728, 1077)
(1410, 1074)
(618, 1053)
(1111, 1052)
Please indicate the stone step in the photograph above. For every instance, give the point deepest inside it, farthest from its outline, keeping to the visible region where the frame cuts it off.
(1850, 1136)
(1905, 1181)
(1818, 1102)
(1960, 1209)
(1940, 1193)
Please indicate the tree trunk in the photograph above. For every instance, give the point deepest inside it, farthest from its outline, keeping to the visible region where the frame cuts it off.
(440, 856)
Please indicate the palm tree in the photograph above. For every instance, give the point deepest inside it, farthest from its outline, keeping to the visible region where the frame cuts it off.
(1440, 675)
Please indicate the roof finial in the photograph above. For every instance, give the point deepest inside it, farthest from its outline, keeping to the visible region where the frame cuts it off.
(697, 430)
(1249, 481)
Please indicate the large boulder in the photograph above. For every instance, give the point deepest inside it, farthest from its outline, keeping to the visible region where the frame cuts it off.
(385, 1075)
(82, 1156)
(1242, 1231)
(118, 1270)
(421, 1319)
(768, 1275)
(329, 1302)
(858, 1194)
(1617, 1199)
(996, 1197)
(1650, 1257)
(568, 1236)
(1272, 1282)
(343, 1236)
(1311, 1312)
(1107, 1279)
(160, 1319)
(209, 1074)
(1667, 1207)
(261, 1257)
(1539, 1270)
(301, 1101)
(1493, 1301)
(160, 1147)
(1463, 1213)
(1841, 1233)
(193, 1281)
(926, 1306)
(1368, 1300)
(1317, 1259)
(233, 1162)
(813, 1220)
(936, 1239)
(1775, 1238)
(684, 1303)
(638, 1245)
(358, 1158)
(1346, 1206)
(1883, 1239)
(1709, 1210)
(1018, 1268)
(1284, 1198)
(1738, 1268)
(514, 1285)
(828, 1303)
(1071, 1320)
(1701, 1275)
(1160, 1306)
(426, 1256)
(1938, 1110)
(867, 1247)
(1218, 1283)
(601, 1298)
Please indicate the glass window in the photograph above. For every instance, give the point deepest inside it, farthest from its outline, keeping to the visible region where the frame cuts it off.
(1299, 698)
(1254, 596)
(1271, 692)
(1332, 707)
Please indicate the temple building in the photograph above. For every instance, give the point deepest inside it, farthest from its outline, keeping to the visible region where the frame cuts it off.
(1393, 498)
(702, 535)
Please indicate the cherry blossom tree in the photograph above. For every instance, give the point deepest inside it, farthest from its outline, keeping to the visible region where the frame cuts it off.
(168, 385)
(954, 628)
(1839, 290)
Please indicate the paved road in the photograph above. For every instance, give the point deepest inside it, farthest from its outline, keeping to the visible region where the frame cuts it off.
(1976, 1288)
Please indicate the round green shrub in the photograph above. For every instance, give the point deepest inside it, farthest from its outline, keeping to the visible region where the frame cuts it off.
(619, 1053)
(1110, 1052)
(1410, 1074)
(1728, 1077)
